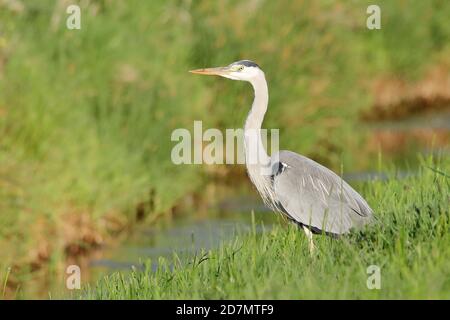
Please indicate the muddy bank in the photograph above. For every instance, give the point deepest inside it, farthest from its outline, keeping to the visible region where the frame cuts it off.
(396, 99)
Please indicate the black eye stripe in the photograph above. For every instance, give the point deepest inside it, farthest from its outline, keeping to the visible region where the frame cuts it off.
(245, 63)
(248, 63)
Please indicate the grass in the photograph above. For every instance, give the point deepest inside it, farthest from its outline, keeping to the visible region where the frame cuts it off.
(86, 116)
(410, 242)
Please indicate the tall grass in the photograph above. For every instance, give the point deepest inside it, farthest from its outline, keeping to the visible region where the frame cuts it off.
(409, 242)
(86, 115)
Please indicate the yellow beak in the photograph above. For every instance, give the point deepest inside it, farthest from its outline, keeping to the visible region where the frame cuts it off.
(210, 71)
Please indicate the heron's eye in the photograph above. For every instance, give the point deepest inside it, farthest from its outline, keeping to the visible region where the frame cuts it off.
(241, 68)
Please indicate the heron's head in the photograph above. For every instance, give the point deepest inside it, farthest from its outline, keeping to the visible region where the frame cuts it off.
(245, 70)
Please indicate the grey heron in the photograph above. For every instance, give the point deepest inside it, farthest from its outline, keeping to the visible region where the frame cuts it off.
(307, 193)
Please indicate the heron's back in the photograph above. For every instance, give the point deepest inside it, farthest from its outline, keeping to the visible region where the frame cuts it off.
(315, 196)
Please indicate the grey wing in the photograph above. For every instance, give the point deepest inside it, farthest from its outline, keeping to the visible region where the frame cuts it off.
(315, 196)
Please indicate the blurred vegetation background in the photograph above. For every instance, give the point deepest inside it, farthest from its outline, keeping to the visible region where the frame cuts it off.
(86, 115)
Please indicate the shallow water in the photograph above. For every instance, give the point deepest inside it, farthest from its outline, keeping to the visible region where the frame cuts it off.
(188, 234)
(437, 121)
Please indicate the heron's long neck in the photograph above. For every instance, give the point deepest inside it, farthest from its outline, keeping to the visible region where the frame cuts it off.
(252, 128)
(256, 158)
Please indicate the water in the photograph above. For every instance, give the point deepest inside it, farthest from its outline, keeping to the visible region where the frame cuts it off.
(188, 234)
(184, 238)
(430, 121)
